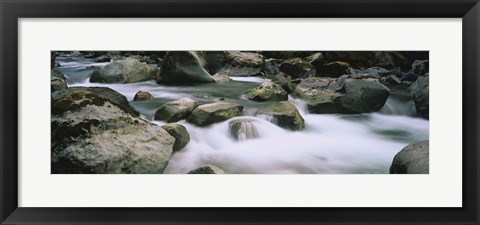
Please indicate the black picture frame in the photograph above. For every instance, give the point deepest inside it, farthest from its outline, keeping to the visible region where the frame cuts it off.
(12, 10)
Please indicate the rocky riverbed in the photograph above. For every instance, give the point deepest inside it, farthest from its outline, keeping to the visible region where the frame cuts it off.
(240, 112)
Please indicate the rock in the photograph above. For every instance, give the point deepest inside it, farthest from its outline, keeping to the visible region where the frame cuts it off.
(420, 92)
(420, 67)
(285, 115)
(142, 96)
(272, 66)
(184, 67)
(208, 169)
(66, 100)
(374, 71)
(207, 114)
(145, 59)
(362, 96)
(284, 81)
(180, 133)
(176, 110)
(342, 95)
(57, 81)
(392, 79)
(237, 63)
(316, 58)
(53, 55)
(297, 68)
(334, 69)
(243, 129)
(221, 77)
(91, 134)
(286, 54)
(413, 159)
(102, 58)
(267, 91)
(127, 70)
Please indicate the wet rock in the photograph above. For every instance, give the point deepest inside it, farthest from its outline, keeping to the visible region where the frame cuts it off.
(208, 169)
(298, 68)
(420, 92)
(92, 134)
(243, 129)
(221, 77)
(102, 58)
(236, 63)
(176, 110)
(285, 115)
(267, 91)
(184, 67)
(128, 70)
(392, 79)
(180, 133)
(57, 81)
(420, 67)
(142, 96)
(413, 159)
(272, 66)
(207, 114)
(284, 81)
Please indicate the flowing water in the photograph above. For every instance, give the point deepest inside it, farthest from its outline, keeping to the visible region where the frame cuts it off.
(330, 143)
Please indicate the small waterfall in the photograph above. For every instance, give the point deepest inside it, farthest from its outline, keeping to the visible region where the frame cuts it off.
(243, 130)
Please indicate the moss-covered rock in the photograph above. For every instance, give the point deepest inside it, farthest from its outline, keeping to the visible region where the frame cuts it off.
(267, 91)
(57, 81)
(180, 133)
(285, 115)
(207, 114)
(176, 110)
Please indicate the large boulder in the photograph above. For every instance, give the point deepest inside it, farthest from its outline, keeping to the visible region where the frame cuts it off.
(236, 63)
(93, 134)
(284, 114)
(267, 91)
(128, 70)
(207, 114)
(176, 110)
(343, 95)
(184, 67)
(284, 81)
(65, 100)
(57, 81)
(243, 129)
(272, 66)
(180, 133)
(413, 159)
(420, 93)
(208, 169)
(297, 68)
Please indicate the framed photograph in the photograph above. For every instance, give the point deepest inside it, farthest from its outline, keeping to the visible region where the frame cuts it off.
(251, 112)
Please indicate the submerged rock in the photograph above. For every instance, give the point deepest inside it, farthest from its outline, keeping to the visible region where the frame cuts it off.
(413, 159)
(208, 169)
(285, 115)
(128, 70)
(184, 67)
(243, 129)
(207, 114)
(298, 68)
(142, 96)
(267, 91)
(176, 110)
(180, 133)
(95, 134)
(57, 81)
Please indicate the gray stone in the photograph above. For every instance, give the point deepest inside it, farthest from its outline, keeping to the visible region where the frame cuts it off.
(208, 169)
(142, 96)
(176, 110)
(128, 70)
(207, 114)
(180, 133)
(184, 67)
(285, 115)
(413, 159)
(420, 93)
(298, 68)
(267, 91)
